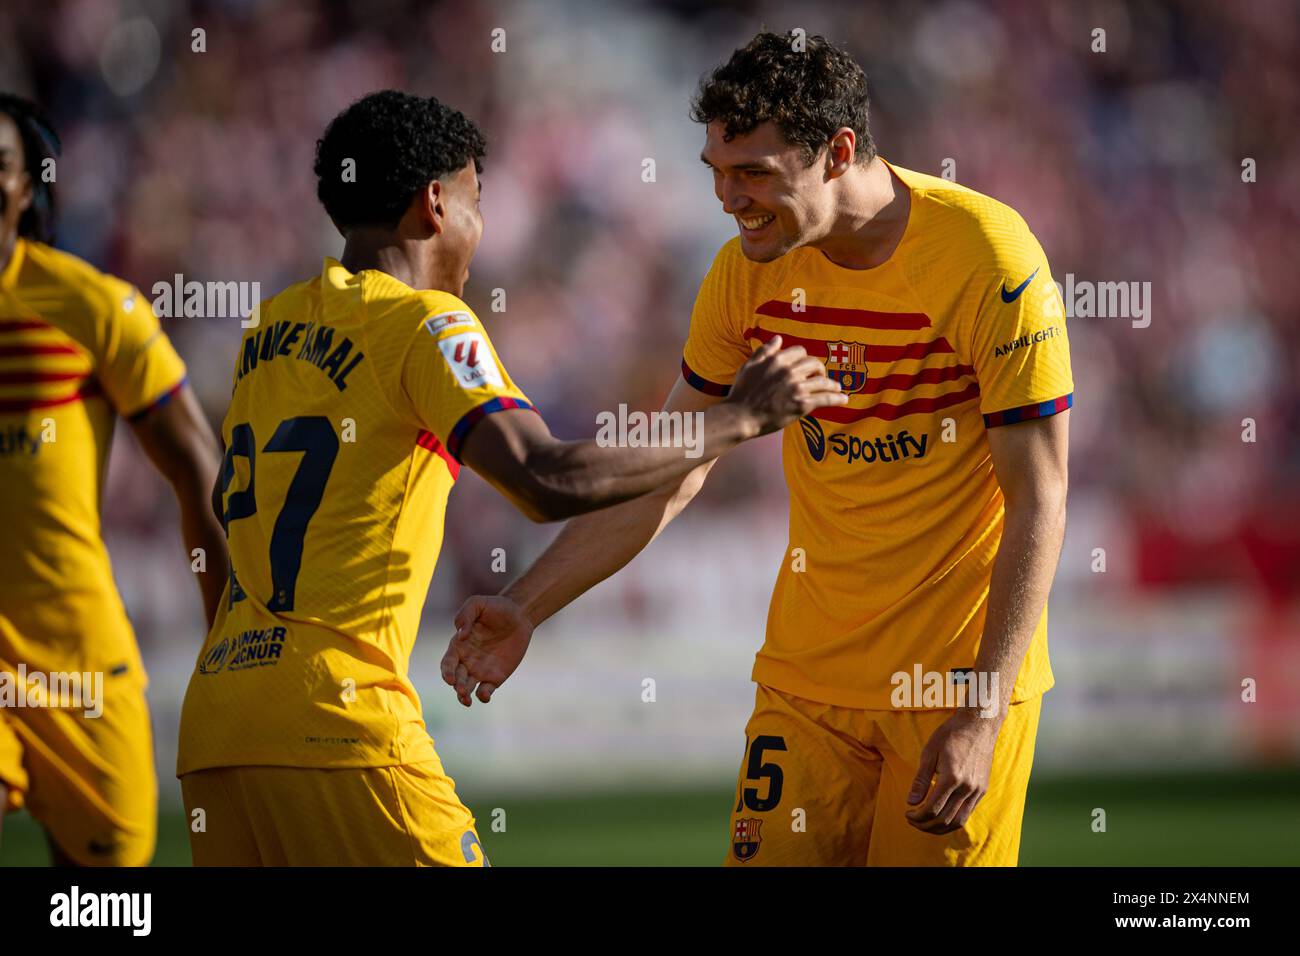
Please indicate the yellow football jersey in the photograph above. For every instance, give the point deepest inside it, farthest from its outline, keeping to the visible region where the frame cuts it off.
(894, 506)
(77, 348)
(351, 397)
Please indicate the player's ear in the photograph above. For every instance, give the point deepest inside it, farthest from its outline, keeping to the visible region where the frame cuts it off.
(840, 152)
(432, 206)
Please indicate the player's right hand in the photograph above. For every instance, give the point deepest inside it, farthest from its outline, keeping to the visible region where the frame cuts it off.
(492, 636)
(780, 385)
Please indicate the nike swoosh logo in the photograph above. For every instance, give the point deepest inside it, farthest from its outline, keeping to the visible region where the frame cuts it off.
(1015, 293)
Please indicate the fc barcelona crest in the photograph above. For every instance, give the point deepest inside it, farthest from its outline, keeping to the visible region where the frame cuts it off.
(745, 841)
(846, 363)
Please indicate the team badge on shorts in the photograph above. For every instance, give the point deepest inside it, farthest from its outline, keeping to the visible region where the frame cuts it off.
(846, 363)
(745, 841)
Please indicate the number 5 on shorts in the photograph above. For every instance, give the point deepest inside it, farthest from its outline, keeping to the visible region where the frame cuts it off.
(757, 770)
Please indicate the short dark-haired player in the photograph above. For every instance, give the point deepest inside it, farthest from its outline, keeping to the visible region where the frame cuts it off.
(355, 402)
(930, 510)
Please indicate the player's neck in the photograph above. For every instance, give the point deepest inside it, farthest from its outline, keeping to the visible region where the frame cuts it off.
(870, 219)
(405, 260)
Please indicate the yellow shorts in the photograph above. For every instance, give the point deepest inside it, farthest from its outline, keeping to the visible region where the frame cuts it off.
(89, 781)
(827, 786)
(406, 815)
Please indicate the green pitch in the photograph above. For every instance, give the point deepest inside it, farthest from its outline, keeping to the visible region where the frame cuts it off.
(1220, 819)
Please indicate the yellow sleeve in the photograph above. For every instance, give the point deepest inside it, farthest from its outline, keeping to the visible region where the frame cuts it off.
(1018, 345)
(451, 375)
(715, 346)
(135, 361)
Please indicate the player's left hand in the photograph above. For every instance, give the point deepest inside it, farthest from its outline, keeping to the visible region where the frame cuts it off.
(957, 758)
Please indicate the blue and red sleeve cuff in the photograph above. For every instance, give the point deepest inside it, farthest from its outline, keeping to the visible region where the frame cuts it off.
(160, 401)
(701, 384)
(1024, 413)
(462, 428)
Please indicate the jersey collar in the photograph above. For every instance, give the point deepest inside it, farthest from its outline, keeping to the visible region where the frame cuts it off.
(335, 274)
(340, 290)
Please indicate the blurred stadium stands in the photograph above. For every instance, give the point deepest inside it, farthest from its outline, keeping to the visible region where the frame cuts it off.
(1127, 164)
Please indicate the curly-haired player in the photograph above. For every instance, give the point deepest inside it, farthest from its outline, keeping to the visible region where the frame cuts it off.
(356, 399)
(905, 660)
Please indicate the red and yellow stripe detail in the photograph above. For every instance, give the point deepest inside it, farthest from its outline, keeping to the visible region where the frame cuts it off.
(956, 380)
(40, 367)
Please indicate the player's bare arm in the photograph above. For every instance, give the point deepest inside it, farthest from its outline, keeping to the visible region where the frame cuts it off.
(1030, 461)
(550, 480)
(493, 632)
(179, 442)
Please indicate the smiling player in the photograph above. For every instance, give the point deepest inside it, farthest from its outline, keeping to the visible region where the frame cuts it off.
(930, 509)
(356, 399)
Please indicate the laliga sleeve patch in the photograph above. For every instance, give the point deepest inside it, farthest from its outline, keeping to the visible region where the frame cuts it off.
(470, 360)
(445, 320)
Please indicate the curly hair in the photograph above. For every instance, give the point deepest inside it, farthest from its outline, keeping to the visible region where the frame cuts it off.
(808, 94)
(398, 143)
(40, 143)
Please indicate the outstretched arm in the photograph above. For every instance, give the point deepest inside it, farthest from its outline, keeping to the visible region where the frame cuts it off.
(591, 548)
(492, 633)
(550, 480)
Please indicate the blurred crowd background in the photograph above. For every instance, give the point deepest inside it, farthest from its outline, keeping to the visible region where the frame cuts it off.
(1127, 164)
